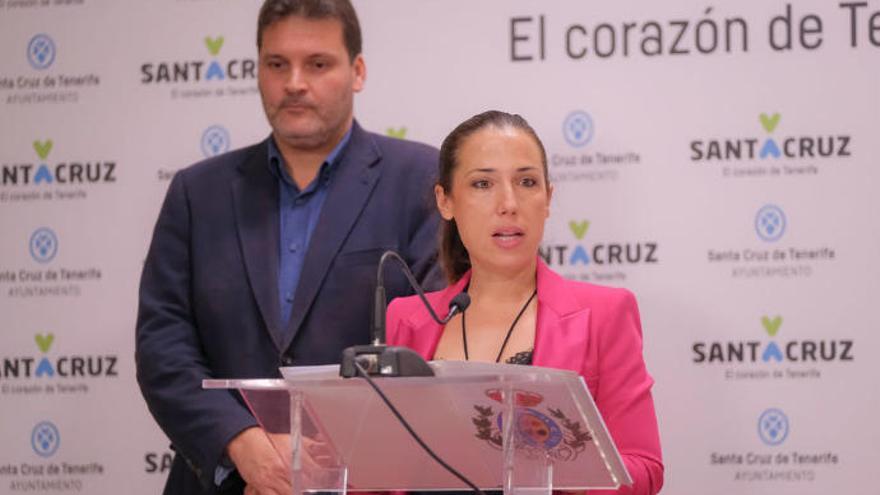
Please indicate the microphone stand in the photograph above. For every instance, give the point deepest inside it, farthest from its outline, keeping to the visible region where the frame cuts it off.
(379, 359)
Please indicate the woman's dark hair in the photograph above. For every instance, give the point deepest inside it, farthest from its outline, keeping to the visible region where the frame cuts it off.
(453, 255)
(275, 10)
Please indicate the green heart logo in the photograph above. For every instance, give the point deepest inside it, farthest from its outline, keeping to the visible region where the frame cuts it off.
(771, 326)
(43, 148)
(214, 44)
(44, 342)
(579, 229)
(398, 133)
(770, 123)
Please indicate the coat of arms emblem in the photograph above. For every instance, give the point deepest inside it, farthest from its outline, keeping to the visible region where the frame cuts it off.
(537, 433)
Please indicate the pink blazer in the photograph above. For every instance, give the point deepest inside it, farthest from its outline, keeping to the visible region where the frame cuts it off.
(589, 329)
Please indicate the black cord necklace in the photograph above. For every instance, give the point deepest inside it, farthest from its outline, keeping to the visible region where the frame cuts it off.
(509, 331)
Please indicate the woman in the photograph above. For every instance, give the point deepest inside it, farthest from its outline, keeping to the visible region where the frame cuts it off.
(494, 196)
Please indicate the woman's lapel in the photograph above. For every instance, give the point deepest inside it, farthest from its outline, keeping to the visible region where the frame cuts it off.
(562, 329)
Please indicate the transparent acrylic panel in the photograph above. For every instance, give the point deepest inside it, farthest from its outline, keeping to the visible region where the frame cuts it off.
(351, 439)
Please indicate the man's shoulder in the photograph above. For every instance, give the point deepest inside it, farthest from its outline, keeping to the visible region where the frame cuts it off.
(398, 145)
(404, 152)
(222, 166)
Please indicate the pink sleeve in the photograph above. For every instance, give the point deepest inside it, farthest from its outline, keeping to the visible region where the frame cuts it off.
(623, 393)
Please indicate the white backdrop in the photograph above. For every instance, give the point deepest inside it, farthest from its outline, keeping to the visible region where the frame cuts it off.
(724, 178)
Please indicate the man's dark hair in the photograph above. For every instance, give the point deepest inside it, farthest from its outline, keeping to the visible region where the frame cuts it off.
(275, 10)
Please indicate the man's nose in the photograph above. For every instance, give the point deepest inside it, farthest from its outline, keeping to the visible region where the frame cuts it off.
(296, 81)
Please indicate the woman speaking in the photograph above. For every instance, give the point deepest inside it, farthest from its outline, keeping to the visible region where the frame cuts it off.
(494, 195)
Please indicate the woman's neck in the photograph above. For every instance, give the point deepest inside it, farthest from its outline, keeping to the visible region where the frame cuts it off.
(502, 287)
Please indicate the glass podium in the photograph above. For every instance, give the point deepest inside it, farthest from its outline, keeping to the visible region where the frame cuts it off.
(520, 429)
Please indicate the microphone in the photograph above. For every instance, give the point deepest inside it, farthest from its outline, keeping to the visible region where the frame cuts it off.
(458, 304)
(379, 359)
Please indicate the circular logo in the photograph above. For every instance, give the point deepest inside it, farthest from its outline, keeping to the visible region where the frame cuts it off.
(41, 52)
(215, 140)
(770, 223)
(43, 245)
(45, 439)
(773, 427)
(535, 429)
(578, 128)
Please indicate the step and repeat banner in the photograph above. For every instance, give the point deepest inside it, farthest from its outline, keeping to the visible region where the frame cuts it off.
(720, 160)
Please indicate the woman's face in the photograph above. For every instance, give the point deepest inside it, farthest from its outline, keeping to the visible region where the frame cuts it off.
(499, 198)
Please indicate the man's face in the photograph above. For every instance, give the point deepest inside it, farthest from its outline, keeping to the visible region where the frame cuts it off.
(307, 81)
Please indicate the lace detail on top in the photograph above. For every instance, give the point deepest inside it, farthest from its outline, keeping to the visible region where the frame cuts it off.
(524, 357)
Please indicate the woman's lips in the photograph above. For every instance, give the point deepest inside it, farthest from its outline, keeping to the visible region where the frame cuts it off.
(508, 237)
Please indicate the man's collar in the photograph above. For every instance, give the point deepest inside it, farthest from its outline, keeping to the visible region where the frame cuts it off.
(278, 167)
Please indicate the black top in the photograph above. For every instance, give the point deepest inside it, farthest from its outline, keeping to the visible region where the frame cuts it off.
(524, 357)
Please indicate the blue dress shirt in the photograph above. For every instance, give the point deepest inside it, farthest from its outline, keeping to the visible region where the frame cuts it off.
(298, 215)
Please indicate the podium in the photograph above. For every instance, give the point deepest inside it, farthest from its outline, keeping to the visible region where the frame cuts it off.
(525, 430)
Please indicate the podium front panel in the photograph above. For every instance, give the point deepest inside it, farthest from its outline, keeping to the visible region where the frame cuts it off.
(349, 433)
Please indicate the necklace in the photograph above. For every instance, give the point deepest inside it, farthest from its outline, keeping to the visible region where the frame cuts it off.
(506, 337)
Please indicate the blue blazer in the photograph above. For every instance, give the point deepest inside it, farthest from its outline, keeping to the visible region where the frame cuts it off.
(209, 303)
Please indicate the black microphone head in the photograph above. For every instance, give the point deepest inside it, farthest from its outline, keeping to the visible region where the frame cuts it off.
(461, 301)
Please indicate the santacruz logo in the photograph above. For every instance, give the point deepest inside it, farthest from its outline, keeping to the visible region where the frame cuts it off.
(45, 365)
(64, 172)
(761, 154)
(195, 71)
(600, 253)
(45, 179)
(773, 349)
(763, 148)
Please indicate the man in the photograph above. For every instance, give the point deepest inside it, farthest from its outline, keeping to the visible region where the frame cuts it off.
(266, 256)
